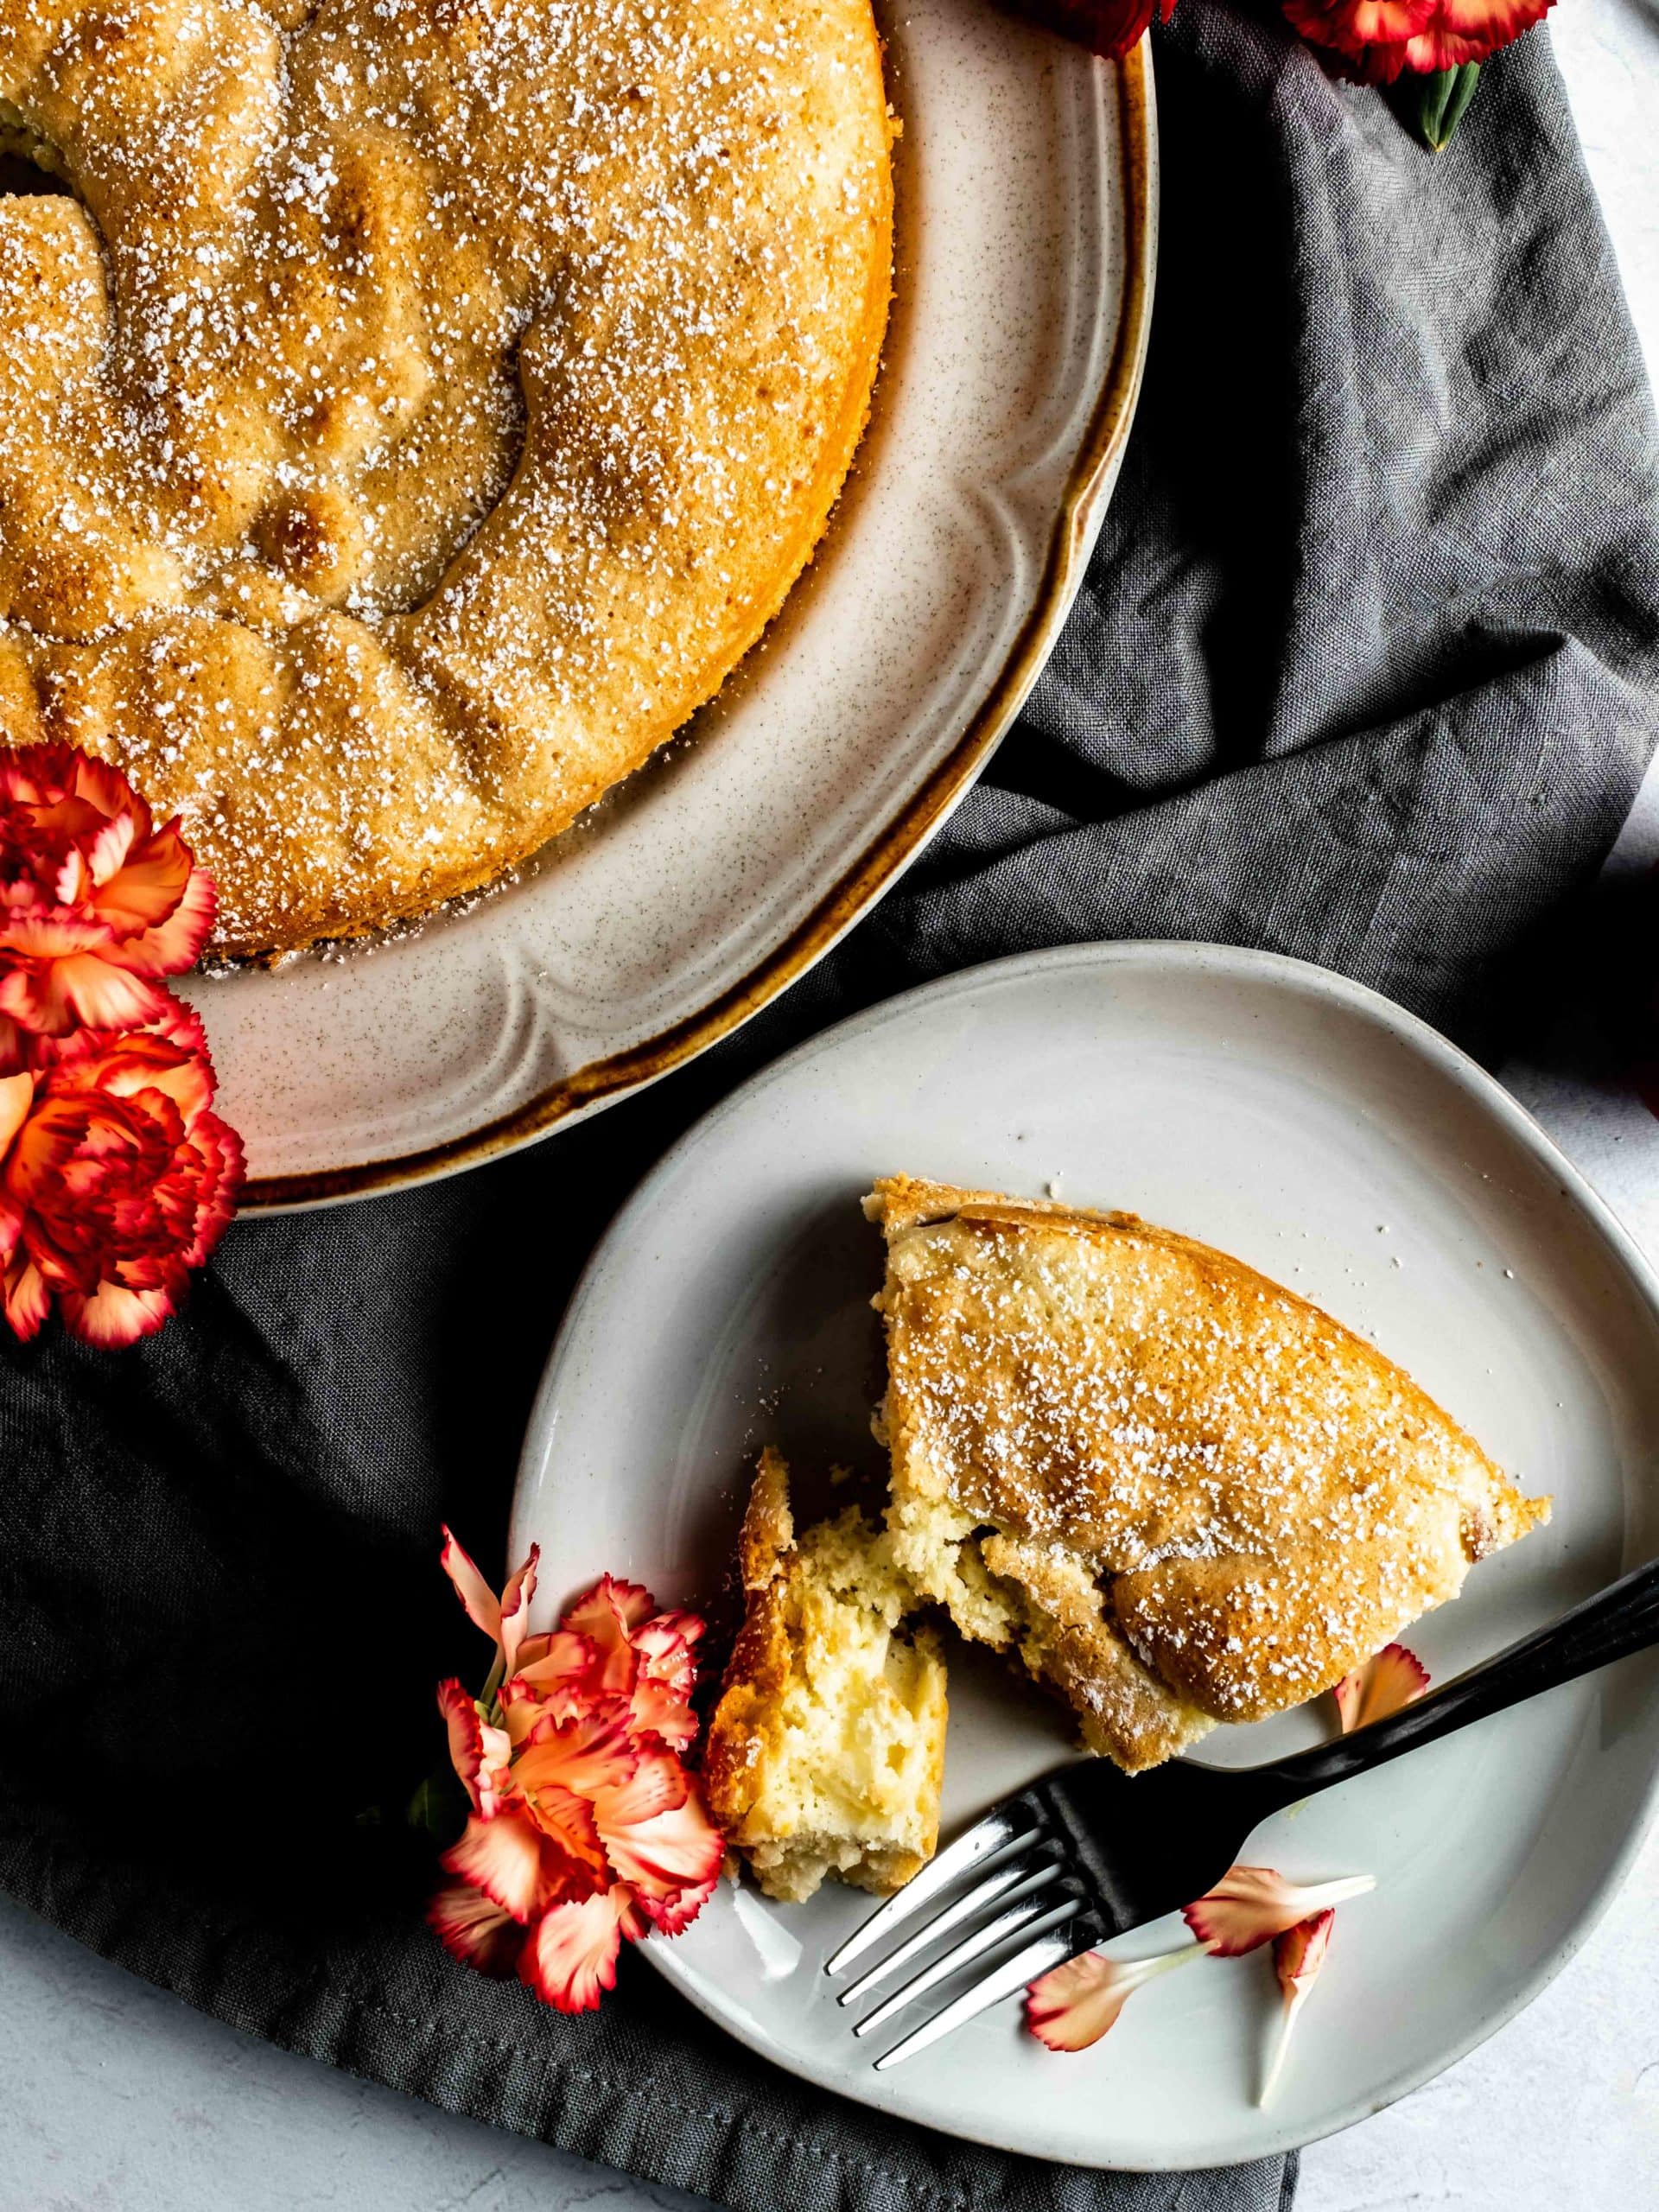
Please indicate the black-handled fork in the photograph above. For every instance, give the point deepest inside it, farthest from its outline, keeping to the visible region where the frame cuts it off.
(1088, 1853)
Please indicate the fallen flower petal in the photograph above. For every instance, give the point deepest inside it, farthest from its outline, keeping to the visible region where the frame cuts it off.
(1394, 1680)
(1073, 2005)
(1298, 1954)
(1252, 1904)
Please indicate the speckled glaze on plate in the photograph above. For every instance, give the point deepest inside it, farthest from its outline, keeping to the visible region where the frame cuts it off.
(1026, 194)
(1326, 1137)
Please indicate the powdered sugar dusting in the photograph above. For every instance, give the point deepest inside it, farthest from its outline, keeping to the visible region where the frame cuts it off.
(1159, 1442)
(420, 406)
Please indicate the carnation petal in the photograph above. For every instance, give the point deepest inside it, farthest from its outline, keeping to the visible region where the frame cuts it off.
(503, 1858)
(1073, 2005)
(657, 1782)
(567, 1821)
(673, 1916)
(17, 1097)
(592, 1753)
(570, 1958)
(137, 886)
(27, 1300)
(100, 784)
(465, 1736)
(1351, 27)
(80, 991)
(1298, 1954)
(185, 1077)
(606, 1614)
(114, 1316)
(475, 1931)
(515, 1609)
(522, 1707)
(543, 1660)
(668, 1853)
(172, 946)
(218, 1148)
(479, 1602)
(1471, 30)
(656, 1712)
(32, 935)
(1252, 1904)
(666, 1651)
(1396, 1678)
(1104, 27)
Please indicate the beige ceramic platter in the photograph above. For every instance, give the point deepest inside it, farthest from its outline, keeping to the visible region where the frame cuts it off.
(1026, 190)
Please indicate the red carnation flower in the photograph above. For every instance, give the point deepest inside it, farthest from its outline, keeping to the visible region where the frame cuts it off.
(1108, 27)
(95, 901)
(115, 1178)
(1376, 40)
(585, 1831)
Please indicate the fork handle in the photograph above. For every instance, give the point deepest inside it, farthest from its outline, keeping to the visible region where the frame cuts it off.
(1623, 1619)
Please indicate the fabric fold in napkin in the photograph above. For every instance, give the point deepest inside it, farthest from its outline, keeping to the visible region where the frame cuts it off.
(1365, 671)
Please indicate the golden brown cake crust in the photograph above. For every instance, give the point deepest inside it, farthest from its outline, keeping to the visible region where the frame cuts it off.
(1220, 1498)
(759, 1661)
(421, 406)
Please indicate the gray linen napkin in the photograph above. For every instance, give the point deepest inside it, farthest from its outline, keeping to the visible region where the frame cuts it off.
(1365, 670)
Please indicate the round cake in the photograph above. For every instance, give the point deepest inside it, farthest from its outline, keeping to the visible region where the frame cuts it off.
(414, 409)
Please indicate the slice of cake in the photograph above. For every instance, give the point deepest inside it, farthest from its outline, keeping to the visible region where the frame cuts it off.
(1181, 1493)
(826, 1750)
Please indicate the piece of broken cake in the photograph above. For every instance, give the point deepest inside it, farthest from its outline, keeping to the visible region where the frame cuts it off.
(1180, 1493)
(826, 1751)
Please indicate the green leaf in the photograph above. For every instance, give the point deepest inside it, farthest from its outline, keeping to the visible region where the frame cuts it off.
(438, 1808)
(1442, 101)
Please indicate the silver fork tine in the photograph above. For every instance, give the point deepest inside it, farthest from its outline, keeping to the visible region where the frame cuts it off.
(1037, 1958)
(992, 1834)
(1033, 1916)
(1018, 1875)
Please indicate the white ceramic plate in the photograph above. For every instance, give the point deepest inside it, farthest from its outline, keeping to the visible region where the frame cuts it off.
(1027, 191)
(1317, 1131)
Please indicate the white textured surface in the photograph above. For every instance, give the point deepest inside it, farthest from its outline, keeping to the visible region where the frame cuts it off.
(1560, 2112)
(118, 2099)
